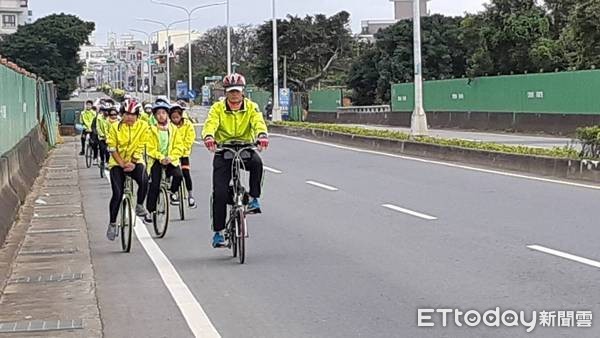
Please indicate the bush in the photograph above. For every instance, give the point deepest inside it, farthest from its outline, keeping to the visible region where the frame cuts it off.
(118, 94)
(590, 141)
(556, 152)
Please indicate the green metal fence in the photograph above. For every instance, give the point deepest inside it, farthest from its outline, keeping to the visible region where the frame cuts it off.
(327, 100)
(17, 107)
(24, 104)
(47, 108)
(259, 96)
(554, 93)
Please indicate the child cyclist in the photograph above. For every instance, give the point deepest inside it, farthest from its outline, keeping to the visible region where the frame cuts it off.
(164, 149)
(188, 135)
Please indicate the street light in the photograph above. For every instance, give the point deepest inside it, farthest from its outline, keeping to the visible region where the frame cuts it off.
(418, 119)
(150, 74)
(167, 28)
(189, 13)
(276, 109)
(228, 40)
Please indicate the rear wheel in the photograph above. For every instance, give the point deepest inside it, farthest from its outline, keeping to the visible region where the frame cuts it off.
(233, 243)
(160, 219)
(182, 198)
(126, 224)
(88, 155)
(241, 241)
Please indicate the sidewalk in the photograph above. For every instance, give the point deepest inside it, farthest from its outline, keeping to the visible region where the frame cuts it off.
(49, 289)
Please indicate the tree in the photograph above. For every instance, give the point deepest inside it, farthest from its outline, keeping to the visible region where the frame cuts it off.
(581, 36)
(209, 54)
(559, 12)
(49, 48)
(317, 47)
(391, 58)
(363, 77)
(510, 36)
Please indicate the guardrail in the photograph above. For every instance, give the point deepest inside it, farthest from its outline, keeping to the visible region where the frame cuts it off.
(365, 109)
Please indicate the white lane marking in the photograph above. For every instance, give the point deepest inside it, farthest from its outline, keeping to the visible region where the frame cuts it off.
(274, 171)
(41, 201)
(409, 212)
(488, 171)
(199, 143)
(192, 311)
(565, 255)
(322, 186)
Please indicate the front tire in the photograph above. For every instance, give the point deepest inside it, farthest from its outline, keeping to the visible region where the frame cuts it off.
(126, 225)
(241, 240)
(88, 156)
(160, 218)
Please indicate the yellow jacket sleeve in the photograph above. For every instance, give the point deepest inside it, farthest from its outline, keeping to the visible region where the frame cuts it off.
(178, 149)
(213, 121)
(140, 147)
(189, 138)
(112, 139)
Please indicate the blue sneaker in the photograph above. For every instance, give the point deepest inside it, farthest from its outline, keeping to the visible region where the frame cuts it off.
(254, 206)
(218, 240)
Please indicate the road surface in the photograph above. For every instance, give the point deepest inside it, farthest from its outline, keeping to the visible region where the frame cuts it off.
(352, 244)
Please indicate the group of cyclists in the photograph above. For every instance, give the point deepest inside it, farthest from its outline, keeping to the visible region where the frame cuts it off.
(142, 141)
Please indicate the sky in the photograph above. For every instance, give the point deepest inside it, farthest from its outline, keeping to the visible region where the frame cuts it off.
(121, 15)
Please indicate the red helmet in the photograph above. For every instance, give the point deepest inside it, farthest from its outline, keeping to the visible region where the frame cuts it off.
(234, 81)
(132, 107)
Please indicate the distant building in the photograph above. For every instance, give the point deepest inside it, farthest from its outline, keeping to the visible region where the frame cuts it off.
(403, 9)
(179, 39)
(13, 13)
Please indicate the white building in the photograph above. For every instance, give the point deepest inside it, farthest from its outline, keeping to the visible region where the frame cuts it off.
(13, 13)
(179, 38)
(403, 9)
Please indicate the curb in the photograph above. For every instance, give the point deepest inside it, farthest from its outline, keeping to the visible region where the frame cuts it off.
(582, 170)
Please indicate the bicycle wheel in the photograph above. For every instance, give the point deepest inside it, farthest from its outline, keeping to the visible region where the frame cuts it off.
(182, 198)
(88, 155)
(160, 219)
(241, 241)
(231, 234)
(126, 224)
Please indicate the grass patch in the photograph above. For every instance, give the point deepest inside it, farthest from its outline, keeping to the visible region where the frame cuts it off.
(556, 152)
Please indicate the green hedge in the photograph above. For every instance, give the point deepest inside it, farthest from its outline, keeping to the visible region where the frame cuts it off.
(565, 152)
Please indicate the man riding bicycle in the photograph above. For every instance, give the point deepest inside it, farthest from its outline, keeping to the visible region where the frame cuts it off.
(164, 148)
(126, 142)
(188, 134)
(86, 119)
(236, 118)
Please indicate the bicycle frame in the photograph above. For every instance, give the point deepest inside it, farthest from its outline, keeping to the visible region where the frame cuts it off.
(240, 196)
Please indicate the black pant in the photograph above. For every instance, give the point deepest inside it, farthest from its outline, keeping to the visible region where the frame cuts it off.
(94, 142)
(104, 154)
(155, 177)
(221, 179)
(117, 183)
(185, 170)
(83, 138)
